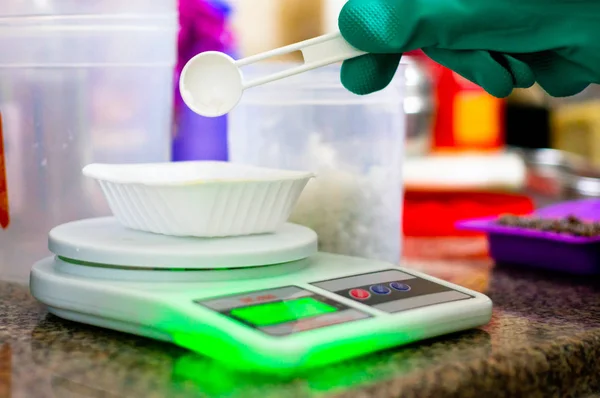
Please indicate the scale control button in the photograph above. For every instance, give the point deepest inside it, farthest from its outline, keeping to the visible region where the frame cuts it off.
(401, 287)
(360, 294)
(380, 289)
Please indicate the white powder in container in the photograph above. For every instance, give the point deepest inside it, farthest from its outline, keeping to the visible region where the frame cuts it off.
(352, 212)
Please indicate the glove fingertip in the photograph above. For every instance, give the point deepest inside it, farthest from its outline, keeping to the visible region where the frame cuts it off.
(522, 75)
(499, 93)
(497, 81)
(501, 87)
(353, 80)
(369, 73)
(478, 67)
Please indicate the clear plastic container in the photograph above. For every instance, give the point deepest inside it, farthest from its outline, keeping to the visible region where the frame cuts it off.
(80, 82)
(353, 143)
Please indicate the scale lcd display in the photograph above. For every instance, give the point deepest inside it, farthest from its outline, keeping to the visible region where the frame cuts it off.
(282, 311)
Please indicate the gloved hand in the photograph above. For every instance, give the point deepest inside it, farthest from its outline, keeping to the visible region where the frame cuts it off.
(497, 44)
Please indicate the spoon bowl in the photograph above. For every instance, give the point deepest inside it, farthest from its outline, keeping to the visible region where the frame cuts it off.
(211, 84)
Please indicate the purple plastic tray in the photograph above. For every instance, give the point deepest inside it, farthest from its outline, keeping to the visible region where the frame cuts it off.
(541, 249)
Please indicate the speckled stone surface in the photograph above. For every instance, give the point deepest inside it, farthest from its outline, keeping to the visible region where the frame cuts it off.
(543, 341)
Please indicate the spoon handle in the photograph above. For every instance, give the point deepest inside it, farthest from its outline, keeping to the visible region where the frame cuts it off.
(320, 51)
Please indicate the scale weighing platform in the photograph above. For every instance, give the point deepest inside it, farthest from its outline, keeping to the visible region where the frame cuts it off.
(265, 303)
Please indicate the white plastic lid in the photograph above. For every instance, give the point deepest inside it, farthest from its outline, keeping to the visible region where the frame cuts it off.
(104, 241)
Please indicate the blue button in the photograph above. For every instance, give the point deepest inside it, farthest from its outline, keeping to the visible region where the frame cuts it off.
(380, 289)
(401, 287)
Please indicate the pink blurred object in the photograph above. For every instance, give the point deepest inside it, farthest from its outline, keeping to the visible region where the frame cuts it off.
(203, 26)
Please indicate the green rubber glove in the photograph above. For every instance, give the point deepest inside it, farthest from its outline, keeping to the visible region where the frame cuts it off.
(498, 44)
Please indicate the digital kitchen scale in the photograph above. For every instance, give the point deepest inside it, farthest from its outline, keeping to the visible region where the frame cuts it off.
(264, 303)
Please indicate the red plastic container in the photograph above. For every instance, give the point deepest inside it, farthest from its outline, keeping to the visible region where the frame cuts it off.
(435, 214)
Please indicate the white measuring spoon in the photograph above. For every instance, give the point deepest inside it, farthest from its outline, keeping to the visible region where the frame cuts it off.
(211, 83)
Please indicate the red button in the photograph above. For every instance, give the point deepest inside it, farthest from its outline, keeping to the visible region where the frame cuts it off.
(360, 294)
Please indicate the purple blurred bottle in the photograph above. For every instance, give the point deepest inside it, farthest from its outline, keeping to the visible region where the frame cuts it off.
(203, 27)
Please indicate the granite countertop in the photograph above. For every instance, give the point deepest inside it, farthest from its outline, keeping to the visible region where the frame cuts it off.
(543, 341)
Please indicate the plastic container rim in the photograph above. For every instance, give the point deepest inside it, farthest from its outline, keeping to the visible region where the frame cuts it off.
(86, 17)
(89, 22)
(30, 30)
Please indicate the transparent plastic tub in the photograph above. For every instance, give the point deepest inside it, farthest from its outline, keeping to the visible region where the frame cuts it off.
(353, 143)
(80, 82)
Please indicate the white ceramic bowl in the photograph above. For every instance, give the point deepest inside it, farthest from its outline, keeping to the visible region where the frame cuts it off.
(202, 199)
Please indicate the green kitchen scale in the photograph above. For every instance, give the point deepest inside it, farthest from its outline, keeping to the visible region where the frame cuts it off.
(267, 303)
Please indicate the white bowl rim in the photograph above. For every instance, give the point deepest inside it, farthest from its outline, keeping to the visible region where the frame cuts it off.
(105, 172)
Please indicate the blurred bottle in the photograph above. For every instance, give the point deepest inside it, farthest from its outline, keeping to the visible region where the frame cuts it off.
(528, 119)
(204, 26)
(576, 129)
(299, 20)
(418, 106)
(467, 118)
